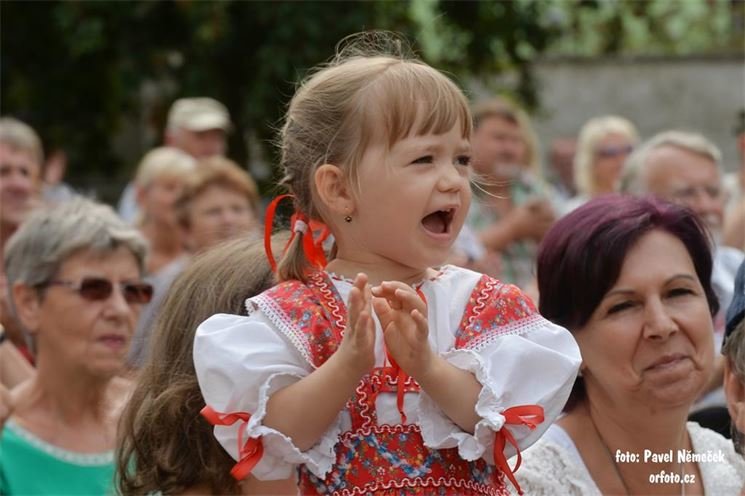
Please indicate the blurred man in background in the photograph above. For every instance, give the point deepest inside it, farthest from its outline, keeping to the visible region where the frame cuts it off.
(21, 158)
(197, 126)
(686, 168)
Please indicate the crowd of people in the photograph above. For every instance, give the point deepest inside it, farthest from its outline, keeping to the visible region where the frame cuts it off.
(443, 315)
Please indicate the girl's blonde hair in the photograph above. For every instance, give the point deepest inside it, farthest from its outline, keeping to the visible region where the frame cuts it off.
(367, 93)
(591, 133)
(164, 444)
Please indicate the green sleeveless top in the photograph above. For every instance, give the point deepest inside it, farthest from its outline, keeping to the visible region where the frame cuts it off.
(29, 465)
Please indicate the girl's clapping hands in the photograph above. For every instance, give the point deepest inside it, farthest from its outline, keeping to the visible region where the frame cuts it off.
(402, 315)
(358, 344)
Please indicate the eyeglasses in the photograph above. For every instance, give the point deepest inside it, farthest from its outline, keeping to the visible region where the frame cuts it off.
(613, 151)
(690, 192)
(98, 288)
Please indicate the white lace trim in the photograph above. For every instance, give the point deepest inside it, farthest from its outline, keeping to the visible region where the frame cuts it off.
(319, 459)
(441, 271)
(518, 327)
(488, 407)
(284, 324)
(73, 457)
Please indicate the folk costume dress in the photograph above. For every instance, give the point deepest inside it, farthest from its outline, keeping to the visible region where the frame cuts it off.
(391, 438)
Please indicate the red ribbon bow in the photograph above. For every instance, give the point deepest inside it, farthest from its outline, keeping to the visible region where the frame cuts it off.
(250, 452)
(401, 377)
(530, 415)
(312, 248)
(399, 372)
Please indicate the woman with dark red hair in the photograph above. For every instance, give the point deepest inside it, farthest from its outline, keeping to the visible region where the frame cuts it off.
(630, 278)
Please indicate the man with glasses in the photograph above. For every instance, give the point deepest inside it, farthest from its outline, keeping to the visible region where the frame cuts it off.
(685, 168)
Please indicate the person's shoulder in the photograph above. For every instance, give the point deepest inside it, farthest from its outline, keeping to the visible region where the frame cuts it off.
(707, 441)
(481, 287)
(508, 294)
(704, 438)
(291, 294)
(283, 288)
(722, 466)
(729, 257)
(454, 273)
(549, 468)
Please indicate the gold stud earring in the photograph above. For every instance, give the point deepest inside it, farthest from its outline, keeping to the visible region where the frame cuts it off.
(348, 218)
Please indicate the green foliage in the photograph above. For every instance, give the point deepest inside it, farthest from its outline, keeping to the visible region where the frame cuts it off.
(649, 27)
(78, 70)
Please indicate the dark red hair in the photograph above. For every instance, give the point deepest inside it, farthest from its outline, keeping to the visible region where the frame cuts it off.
(581, 256)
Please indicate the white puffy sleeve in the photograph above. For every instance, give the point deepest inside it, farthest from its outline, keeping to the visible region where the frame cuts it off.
(519, 358)
(240, 362)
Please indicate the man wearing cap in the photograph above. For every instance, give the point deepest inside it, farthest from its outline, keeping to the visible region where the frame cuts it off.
(199, 127)
(733, 350)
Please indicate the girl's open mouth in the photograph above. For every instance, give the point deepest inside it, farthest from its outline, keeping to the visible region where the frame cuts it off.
(439, 221)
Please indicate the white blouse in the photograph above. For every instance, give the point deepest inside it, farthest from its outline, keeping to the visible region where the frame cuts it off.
(241, 361)
(554, 465)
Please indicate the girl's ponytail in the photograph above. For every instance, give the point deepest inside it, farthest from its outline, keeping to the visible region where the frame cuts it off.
(293, 263)
(302, 253)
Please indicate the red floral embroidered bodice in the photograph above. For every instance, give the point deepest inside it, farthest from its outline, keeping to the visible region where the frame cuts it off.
(371, 458)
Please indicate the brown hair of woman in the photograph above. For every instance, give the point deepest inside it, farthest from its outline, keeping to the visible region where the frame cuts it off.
(164, 443)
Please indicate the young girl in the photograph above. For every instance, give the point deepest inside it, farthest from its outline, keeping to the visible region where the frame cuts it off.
(381, 371)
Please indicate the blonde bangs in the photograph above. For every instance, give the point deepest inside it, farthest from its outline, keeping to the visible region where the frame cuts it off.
(410, 98)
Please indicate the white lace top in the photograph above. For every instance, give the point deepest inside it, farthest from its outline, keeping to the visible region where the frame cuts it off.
(553, 465)
(241, 361)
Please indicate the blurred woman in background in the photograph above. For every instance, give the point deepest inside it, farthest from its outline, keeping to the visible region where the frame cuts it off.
(164, 443)
(603, 145)
(76, 277)
(216, 202)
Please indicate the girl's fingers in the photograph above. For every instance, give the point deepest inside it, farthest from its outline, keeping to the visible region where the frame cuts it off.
(366, 296)
(388, 289)
(361, 325)
(422, 326)
(388, 295)
(410, 300)
(360, 281)
(355, 307)
(383, 310)
(399, 296)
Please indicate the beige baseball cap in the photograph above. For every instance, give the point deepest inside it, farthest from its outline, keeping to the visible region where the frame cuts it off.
(198, 114)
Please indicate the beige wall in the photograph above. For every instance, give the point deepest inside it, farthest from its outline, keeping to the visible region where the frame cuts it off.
(700, 94)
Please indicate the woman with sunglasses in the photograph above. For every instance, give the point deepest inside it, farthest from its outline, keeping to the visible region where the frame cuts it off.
(75, 274)
(603, 145)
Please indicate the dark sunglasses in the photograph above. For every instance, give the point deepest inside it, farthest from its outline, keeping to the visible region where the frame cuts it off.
(613, 151)
(98, 288)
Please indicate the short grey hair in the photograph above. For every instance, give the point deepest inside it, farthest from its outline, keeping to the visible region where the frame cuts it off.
(50, 235)
(20, 135)
(632, 178)
(734, 352)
